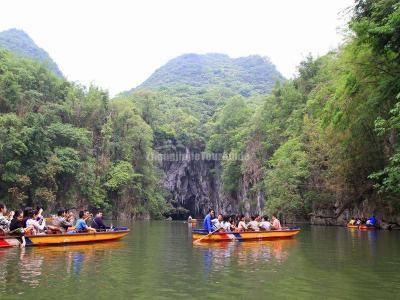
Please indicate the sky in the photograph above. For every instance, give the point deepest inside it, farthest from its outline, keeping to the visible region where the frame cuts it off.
(118, 44)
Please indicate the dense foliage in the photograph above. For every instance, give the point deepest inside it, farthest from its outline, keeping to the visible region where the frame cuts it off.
(244, 75)
(65, 145)
(329, 138)
(330, 135)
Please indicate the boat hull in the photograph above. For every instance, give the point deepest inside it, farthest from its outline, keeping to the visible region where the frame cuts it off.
(361, 227)
(244, 236)
(62, 239)
(352, 226)
(365, 227)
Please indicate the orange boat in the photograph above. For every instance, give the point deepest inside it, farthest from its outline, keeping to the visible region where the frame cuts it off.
(244, 235)
(352, 226)
(67, 238)
(361, 227)
(366, 227)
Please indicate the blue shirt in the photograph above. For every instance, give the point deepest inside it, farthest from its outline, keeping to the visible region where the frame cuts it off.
(80, 225)
(207, 223)
(372, 221)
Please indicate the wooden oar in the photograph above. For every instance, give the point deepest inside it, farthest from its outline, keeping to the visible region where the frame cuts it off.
(196, 241)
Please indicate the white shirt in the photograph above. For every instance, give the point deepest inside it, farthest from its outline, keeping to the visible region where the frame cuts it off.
(37, 227)
(242, 225)
(217, 224)
(265, 225)
(227, 226)
(254, 225)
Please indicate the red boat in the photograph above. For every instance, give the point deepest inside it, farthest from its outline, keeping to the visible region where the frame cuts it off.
(366, 227)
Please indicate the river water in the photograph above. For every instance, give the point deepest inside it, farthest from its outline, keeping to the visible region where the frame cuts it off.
(158, 261)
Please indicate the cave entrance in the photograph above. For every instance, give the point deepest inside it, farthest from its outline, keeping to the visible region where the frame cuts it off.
(186, 209)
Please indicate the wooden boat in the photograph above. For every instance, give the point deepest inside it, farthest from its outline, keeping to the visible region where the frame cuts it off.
(67, 238)
(352, 226)
(285, 233)
(365, 227)
(83, 247)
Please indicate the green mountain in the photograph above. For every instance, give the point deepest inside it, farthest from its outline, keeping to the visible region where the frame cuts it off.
(20, 43)
(244, 75)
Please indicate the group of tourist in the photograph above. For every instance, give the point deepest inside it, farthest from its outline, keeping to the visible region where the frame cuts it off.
(239, 223)
(31, 222)
(363, 221)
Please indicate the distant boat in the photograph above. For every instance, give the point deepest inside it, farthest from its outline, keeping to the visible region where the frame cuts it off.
(285, 233)
(67, 238)
(366, 227)
(352, 226)
(361, 227)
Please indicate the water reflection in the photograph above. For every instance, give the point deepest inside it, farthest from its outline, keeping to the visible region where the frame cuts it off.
(367, 240)
(59, 261)
(30, 267)
(218, 256)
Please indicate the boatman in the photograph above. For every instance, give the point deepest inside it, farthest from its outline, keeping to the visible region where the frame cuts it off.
(207, 221)
(371, 221)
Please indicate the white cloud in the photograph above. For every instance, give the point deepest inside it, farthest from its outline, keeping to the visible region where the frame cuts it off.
(118, 44)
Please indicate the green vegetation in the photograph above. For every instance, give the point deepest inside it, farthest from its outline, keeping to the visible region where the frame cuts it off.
(65, 145)
(244, 75)
(18, 42)
(181, 97)
(328, 137)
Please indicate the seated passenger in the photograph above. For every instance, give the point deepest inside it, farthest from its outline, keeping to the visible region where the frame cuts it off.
(352, 221)
(265, 224)
(70, 216)
(253, 224)
(218, 223)
(358, 221)
(227, 224)
(81, 225)
(276, 224)
(37, 223)
(27, 213)
(242, 224)
(4, 220)
(17, 226)
(233, 224)
(97, 222)
(17, 223)
(62, 221)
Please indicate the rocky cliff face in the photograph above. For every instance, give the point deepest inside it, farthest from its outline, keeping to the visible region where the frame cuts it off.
(337, 216)
(193, 182)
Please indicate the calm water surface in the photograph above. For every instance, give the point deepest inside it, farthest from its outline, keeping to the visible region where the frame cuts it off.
(158, 261)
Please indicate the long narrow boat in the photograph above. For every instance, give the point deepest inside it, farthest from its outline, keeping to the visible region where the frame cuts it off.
(67, 238)
(366, 227)
(245, 235)
(352, 226)
(361, 227)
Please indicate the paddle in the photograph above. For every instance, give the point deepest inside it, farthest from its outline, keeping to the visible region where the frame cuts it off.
(196, 241)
